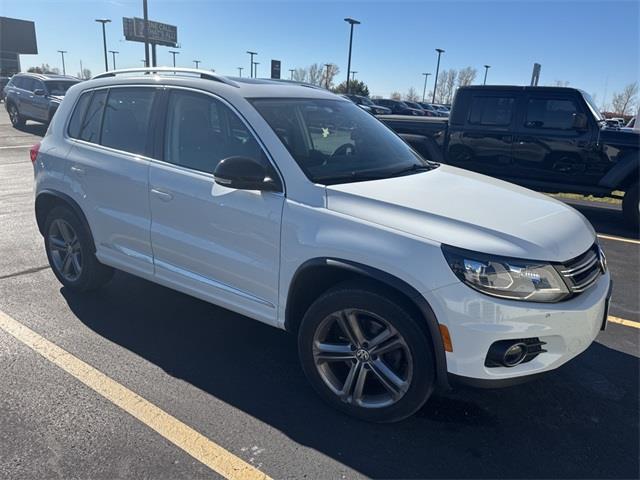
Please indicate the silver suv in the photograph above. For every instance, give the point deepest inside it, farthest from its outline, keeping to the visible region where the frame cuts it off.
(34, 96)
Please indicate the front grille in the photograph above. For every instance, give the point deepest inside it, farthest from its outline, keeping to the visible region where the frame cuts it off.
(583, 271)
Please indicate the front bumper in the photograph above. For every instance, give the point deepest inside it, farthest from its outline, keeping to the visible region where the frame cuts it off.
(475, 321)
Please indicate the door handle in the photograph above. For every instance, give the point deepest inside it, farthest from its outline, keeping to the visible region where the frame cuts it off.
(162, 195)
(78, 170)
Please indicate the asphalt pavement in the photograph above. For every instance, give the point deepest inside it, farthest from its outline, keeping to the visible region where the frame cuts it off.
(238, 382)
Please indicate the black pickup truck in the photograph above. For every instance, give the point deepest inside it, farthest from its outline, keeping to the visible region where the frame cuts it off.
(551, 139)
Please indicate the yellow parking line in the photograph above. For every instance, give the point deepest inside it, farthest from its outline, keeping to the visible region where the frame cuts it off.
(195, 444)
(622, 321)
(619, 239)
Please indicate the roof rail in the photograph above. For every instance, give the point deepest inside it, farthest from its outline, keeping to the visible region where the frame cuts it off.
(164, 70)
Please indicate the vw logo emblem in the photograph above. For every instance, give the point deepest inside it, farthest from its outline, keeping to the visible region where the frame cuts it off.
(362, 355)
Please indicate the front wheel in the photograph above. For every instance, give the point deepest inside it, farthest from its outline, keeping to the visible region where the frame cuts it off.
(631, 207)
(365, 354)
(14, 115)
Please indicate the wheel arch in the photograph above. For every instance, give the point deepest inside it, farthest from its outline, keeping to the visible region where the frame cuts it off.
(47, 200)
(317, 275)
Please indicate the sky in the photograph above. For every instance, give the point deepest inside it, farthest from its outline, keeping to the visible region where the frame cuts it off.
(593, 45)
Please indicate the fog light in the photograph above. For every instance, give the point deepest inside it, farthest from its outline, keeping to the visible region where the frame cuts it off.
(514, 355)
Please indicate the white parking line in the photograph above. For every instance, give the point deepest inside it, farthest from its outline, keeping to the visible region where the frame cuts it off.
(15, 146)
(619, 239)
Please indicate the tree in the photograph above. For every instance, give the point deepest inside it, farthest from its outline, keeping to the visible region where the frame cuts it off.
(315, 74)
(412, 95)
(356, 87)
(446, 86)
(625, 100)
(329, 73)
(466, 76)
(85, 74)
(396, 96)
(44, 68)
(300, 75)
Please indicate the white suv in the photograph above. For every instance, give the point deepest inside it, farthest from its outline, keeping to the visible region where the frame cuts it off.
(292, 206)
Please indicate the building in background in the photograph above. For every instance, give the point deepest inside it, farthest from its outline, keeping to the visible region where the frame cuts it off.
(16, 37)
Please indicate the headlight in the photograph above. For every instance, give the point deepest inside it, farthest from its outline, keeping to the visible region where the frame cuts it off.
(507, 277)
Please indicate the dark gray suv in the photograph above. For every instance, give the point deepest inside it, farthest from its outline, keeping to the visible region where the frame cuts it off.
(33, 96)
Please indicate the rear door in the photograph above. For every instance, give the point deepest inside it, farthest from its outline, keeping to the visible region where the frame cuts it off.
(108, 170)
(483, 140)
(40, 103)
(24, 95)
(547, 147)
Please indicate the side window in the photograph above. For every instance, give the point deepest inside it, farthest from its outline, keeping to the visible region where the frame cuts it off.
(78, 113)
(491, 111)
(27, 84)
(17, 82)
(90, 128)
(201, 131)
(38, 85)
(126, 119)
(549, 113)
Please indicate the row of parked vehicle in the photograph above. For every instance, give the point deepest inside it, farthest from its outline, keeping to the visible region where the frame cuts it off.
(388, 106)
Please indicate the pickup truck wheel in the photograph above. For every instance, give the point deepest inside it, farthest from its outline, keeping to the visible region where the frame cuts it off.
(631, 206)
(70, 252)
(365, 354)
(14, 115)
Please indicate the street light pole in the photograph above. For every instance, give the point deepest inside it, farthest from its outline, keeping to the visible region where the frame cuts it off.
(113, 55)
(486, 69)
(351, 22)
(326, 80)
(174, 53)
(255, 69)
(251, 62)
(197, 62)
(435, 81)
(291, 70)
(62, 52)
(353, 75)
(104, 21)
(240, 71)
(424, 90)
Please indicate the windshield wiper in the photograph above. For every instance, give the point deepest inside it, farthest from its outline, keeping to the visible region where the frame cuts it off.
(413, 168)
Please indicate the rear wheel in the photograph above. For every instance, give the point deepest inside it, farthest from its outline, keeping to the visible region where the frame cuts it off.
(14, 115)
(365, 354)
(70, 252)
(631, 206)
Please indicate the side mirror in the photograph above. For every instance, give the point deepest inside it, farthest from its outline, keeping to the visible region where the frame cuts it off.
(39, 92)
(244, 173)
(579, 121)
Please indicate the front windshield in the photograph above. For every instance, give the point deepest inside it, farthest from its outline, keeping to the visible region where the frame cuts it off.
(335, 141)
(592, 106)
(366, 101)
(58, 87)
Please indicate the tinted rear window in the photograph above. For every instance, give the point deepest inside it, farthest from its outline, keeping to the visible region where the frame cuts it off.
(491, 111)
(78, 113)
(90, 128)
(551, 113)
(127, 118)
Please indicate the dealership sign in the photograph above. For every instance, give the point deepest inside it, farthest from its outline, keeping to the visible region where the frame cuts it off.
(158, 33)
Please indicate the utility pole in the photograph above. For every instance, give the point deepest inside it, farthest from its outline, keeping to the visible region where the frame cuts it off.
(424, 90)
(486, 69)
(291, 70)
(240, 71)
(62, 52)
(113, 54)
(174, 53)
(351, 22)
(197, 62)
(104, 21)
(251, 54)
(255, 69)
(145, 16)
(435, 82)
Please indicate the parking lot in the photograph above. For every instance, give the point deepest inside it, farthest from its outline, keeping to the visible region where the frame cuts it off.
(182, 389)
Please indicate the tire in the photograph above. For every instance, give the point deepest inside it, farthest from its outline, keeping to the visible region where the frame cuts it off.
(631, 207)
(17, 120)
(71, 254)
(395, 383)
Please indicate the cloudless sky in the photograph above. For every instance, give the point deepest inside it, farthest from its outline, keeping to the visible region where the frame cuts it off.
(593, 45)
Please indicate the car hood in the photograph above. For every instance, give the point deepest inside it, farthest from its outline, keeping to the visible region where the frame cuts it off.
(468, 210)
(618, 137)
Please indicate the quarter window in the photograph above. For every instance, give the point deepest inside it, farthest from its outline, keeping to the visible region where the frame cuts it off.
(90, 128)
(126, 119)
(491, 111)
(201, 131)
(548, 113)
(76, 118)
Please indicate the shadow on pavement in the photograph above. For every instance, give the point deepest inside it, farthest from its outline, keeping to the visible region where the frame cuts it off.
(580, 421)
(606, 219)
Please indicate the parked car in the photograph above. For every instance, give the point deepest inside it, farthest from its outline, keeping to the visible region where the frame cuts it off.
(547, 138)
(433, 110)
(33, 96)
(417, 106)
(367, 105)
(399, 108)
(631, 123)
(444, 109)
(294, 207)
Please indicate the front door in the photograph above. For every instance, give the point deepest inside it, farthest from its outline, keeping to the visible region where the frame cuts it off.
(217, 243)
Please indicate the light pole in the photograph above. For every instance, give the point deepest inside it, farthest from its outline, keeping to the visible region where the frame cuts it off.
(353, 75)
(196, 62)
(326, 80)
(173, 54)
(255, 69)
(351, 22)
(240, 71)
(435, 81)
(104, 21)
(424, 90)
(251, 62)
(113, 55)
(486, 69)
(291, 70)
(62, 52)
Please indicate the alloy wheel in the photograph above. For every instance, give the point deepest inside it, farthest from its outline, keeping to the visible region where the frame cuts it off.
(362, 358)
(65, 249)
(13, 115)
